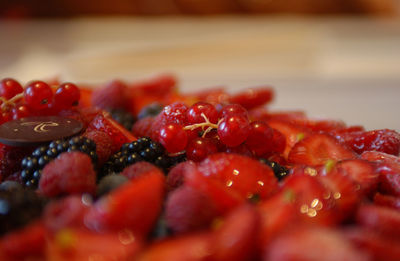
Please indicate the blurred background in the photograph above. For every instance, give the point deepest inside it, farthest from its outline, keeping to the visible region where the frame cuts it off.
(337, 59)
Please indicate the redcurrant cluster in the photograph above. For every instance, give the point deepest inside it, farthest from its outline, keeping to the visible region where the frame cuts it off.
(37, 98)
(202, 129)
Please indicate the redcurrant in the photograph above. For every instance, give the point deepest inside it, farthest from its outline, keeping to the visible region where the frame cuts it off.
(233, 130)
(197, 110)
(173, 137)
(199, 148)
(259, 138)
(66, 96)
(9, 88)
(38, 95)
(233, 109)
(20, 112)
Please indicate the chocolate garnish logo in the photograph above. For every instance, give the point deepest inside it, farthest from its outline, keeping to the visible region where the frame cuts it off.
(40, 126)
(38, 130)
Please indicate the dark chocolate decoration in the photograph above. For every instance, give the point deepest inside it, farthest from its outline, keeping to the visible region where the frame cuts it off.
(37, 130)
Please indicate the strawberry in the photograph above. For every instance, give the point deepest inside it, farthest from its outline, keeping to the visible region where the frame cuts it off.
(387, 201)
(24, 244)
(318, 149)
(319, 125)
(69, 173)
(252, 98)
(191, 247)
(156, 87)
(134, 206)
(385, 140)
(240, 173)
(236, 238)
(114, 95)
(376, 245)
(380, 219)
(312, 244)
(79, 244)
(118, 134)
(188, 209)
(387, 164)
(390, 184)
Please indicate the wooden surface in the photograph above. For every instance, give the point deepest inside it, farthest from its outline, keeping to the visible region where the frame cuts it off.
(342, 68)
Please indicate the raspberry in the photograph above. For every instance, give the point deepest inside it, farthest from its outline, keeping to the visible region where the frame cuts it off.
(142, 128)
(174, 113)
(115, 95)
(138, 169)
(103, 144)
(10, 159)
(176, 175)
(71, 172)
(188, 209)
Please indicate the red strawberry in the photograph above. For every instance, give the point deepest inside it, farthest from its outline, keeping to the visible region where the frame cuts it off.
(135, 206)
(224, 198)
(380, 219)
(240, 173)
(79, 245)
(103, 144)
(236, 239)
(387, 201)
(376, 245)
(252, 98)
(292, 133)
(115, 95)
(387, 164)
(385, 140)
(318, 149)
(142, 127)
(27, 243)
(66, 212)
(320, 125)
(118, 134)
(71, 172)
(157, 86)
(390, 184)
(193, 247)
(188, 209)
(312, 244)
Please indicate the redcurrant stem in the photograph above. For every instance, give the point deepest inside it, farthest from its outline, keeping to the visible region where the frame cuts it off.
(210, 126)
(11, 102)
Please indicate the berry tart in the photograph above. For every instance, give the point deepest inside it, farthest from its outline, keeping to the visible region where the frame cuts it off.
(139, 171)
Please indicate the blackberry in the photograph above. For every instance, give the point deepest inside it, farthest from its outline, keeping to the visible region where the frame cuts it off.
(123, 117)
(33, 165)
(150, 110)
(280, 171)
(18, 207)
(143, 149)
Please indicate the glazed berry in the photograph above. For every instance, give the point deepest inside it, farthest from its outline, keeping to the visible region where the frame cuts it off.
(67, 96)
(150, 110)
(280, 171)
(38, 95)
(123, 117)
(199, 110)
(109, 183)
(18, 207)
(233, 130)
(9, 88)
(32, 165)
(173, 137)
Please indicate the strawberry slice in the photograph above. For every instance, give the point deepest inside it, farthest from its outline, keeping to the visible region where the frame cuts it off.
(245, 175)
(253, 97)
(317, 149)
(117, 133)
(376, 245)
(381, 219)
(25, 243)
(387, 201)
(236, 239)
(156, 87)
(312, 244)
(78, 245)
(387, 164)
(193, 247)
(135, 205)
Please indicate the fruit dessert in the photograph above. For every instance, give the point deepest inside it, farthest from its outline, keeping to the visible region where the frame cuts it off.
(139, 171)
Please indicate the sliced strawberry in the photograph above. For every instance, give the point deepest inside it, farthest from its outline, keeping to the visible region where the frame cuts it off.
(312, 244)
(253, 97)
(193, 247)
(376, 245)
(381, 219)
(318, 149)
(277, 213)
(387, 201)
(309, 196)
(135, 206)
(388, 164)
(236, 239)
(240, 173)
(224, 198)
(320, 125)
(390, 184)
(78, 245)
(188, 209)
(385, 140)
(292, 133)
(263, 114)
(117, 133)
(157, 86)
(25, 243)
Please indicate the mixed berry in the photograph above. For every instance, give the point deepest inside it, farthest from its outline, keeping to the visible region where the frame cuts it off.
(158, 175)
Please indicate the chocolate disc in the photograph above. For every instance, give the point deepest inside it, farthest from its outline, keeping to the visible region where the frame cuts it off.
(36, 130)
